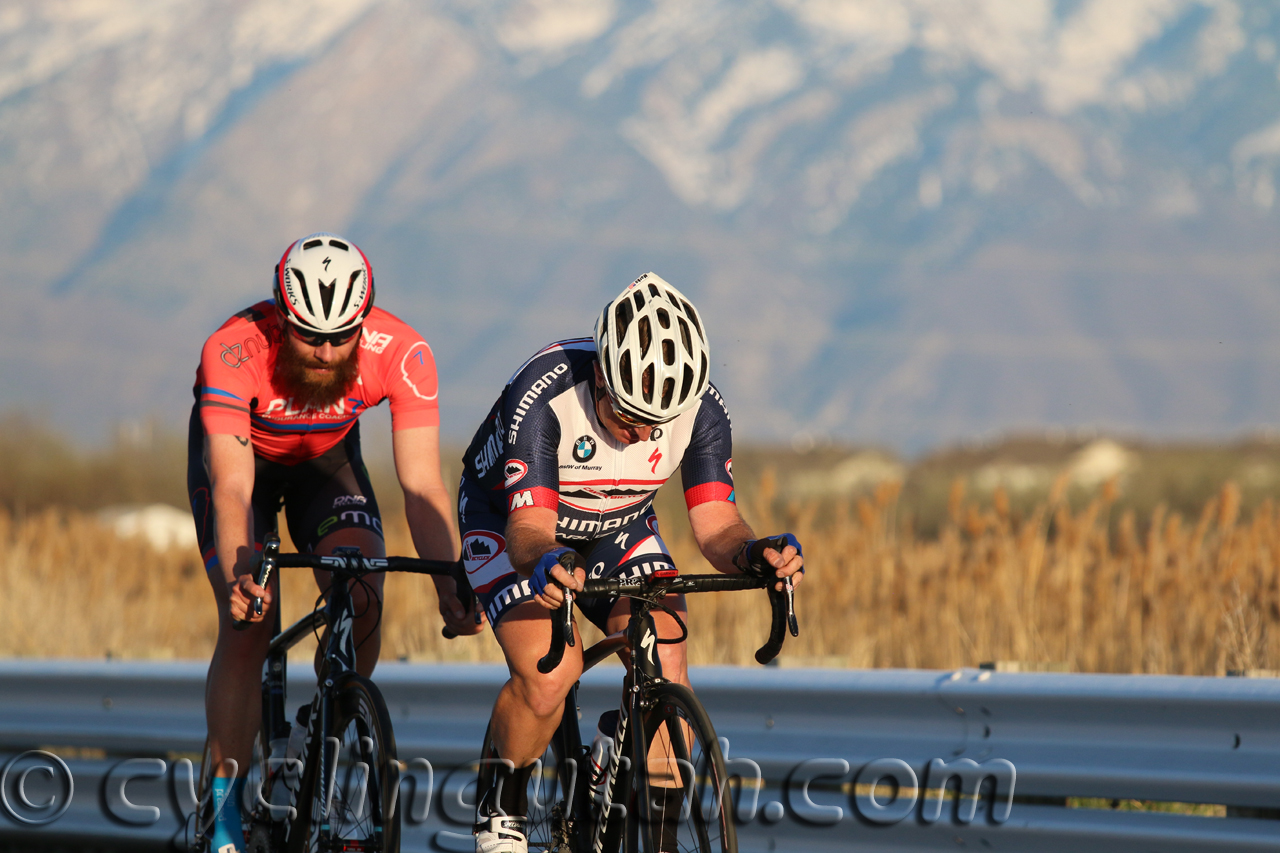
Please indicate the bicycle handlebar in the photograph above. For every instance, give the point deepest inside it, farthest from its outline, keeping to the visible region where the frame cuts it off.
(781, 603)
(352, 566)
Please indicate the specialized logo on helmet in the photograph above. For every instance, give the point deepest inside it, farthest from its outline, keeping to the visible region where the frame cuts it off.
(584, 448)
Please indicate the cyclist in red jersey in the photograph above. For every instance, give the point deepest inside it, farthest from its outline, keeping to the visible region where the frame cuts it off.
(278, 393)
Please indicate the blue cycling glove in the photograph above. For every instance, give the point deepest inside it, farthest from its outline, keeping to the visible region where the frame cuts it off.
(750, 557)
(542, 572)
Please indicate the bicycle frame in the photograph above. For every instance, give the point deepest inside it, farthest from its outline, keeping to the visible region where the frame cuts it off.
(594, 830)
(641, 638)
(340, 657)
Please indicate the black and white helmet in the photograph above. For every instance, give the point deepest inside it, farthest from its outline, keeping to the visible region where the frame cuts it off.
(324, 284)
(653, 351)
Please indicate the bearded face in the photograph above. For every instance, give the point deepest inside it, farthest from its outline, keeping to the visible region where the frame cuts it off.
(311, 380)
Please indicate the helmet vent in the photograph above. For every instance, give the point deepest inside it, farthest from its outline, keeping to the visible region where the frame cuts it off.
(702, 374)
(653, 289)
(684, 336)
(668, 352)
(668, 388)
(646, 384)
(664, 319)
(351, 288)
(327, 292)
(622, 319)
(687, 384)
(338, 244)
(646, 335)
(693, 317)
(624, 372)
(311, 244)
(302, 286)
(639, 298)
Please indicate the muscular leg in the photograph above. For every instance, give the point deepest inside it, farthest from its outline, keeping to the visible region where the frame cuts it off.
(234, 683)
(367, 630)
(530, 704)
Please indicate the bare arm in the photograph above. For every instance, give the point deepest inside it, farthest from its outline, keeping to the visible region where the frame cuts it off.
(720, 532)
(531, 533)
(429, 511)
(229, 460)
(427, 506)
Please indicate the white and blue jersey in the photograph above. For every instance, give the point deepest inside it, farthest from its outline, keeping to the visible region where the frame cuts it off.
(543, 445)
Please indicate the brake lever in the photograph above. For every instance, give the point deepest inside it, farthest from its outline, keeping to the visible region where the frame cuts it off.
(570, 562)
(566, 621)
(793, 624)
(266, 566)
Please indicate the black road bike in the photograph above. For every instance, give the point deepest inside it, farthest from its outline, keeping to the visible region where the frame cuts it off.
(661, 785)
(328, 781)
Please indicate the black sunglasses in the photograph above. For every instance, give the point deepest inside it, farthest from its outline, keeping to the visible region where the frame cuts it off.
(319, 339)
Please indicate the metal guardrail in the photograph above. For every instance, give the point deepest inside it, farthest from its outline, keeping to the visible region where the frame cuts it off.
(821, 740)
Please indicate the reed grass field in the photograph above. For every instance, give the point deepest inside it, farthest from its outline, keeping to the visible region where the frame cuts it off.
(1078, 585)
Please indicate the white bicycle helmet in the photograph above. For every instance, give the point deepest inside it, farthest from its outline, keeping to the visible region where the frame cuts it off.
(653, 351)
(324, 284)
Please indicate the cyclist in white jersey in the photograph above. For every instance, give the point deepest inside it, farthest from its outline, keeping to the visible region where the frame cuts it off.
(567, 462)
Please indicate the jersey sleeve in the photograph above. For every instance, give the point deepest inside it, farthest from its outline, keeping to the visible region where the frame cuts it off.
(226, 388)
(412, 385)
(706, 472)
(531, 462)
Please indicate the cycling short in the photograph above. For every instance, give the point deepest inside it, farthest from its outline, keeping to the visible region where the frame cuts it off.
(634, 550)
(331, 492)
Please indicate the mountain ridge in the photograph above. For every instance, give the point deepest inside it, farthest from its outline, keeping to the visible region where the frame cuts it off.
(905, 224)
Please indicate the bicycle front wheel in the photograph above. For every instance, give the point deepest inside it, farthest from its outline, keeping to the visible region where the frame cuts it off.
(680, 796)
(355, 809)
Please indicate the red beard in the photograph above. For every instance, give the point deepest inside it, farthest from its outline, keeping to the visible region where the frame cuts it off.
(296, 374)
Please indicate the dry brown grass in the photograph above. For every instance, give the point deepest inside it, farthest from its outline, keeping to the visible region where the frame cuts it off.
(1175, 595)
(1196, 596)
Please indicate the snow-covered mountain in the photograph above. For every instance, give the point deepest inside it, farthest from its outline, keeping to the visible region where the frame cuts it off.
(906, 220)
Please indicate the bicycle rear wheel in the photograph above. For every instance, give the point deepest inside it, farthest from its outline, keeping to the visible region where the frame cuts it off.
(199, 826)
(356, 810)
(549, 794)
(680, 800)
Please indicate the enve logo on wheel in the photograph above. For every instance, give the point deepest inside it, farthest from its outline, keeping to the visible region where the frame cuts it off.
(584, 448)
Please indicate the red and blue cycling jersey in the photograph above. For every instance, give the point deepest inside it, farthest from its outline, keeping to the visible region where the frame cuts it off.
(237, 393)
(543, 445)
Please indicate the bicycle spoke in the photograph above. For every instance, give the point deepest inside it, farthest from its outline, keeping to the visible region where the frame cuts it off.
(679, 799)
